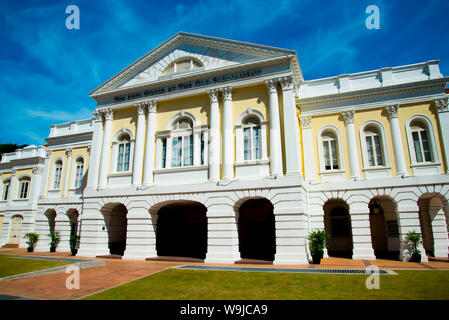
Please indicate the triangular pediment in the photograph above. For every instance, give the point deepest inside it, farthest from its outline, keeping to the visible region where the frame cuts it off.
(210, 53)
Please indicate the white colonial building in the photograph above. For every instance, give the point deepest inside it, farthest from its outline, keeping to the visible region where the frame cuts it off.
(219, 150)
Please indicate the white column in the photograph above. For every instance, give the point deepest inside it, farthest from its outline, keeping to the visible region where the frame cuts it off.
(291, 129)
(361, 232)
(140, 234)
(222, 235)
(228, 135)
(443, 118)
(392, 114)
(275, 130)
(214, 137)
(149, 144)
(348, 117)
(197, 146)
(12, 187)
(439, 232)
(138, 146)
(408, 220)
(46, 173)
(106, 149)
(68, 169)
(309, 152)
(94, 156)
(36, 183)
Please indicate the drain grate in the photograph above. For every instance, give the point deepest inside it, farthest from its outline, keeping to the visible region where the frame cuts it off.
(286, 270)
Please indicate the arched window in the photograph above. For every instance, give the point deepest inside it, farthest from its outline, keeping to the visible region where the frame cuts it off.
(6, 185)
(182, 143)
(374, 146)
(124, 148)
(24, 184)
(330, 151)
(251, 138)
(182, 65)
(79, 170)
(57, 175)
(421, 142)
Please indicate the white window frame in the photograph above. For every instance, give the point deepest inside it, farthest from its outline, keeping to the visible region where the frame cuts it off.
(22, 179)
(53, 174)
(335, 174)
(114, 156)
(6, 182)
(74, 171)
(423, 168)
(197, 130)
(177, 61)
(240, 139)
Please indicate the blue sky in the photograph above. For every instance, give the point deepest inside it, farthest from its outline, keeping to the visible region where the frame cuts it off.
(48, 70)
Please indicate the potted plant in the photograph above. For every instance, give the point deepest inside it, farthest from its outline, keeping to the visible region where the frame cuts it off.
(414, 239)
(74, 244)
(54, 240)
(32, 239)
(317, 243)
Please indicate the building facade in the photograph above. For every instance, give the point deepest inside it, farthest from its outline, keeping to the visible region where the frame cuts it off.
(220, 150)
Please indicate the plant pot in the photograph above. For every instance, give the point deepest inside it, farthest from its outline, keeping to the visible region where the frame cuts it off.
(30, 249)
(52, 249)
(317, 256)
(416, 257)
(74, 252)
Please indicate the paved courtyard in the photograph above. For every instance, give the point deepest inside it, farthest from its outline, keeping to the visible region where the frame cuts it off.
(116, 272)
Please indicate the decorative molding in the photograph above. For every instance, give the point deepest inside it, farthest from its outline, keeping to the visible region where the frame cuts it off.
(272, 85)
(141, 108)
(47, 153)
(13, 172)
(306, 122)
(392, 111)
(442, 105)
(97, 115)
(348, 117)
(108, 114)
(287, 83)
(38, 170)
(152, 106)
(213, 95)
(68, 152)
(227, 93)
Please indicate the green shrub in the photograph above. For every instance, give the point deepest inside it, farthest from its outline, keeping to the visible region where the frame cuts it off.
(317, 240)
(32, 239)
(414, 239)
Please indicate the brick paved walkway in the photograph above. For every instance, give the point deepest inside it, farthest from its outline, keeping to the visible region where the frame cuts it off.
(116, 272)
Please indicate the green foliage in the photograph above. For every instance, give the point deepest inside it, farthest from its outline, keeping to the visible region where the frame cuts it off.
(317, 240)
(54, 238)
(32, 239)
(74, 240)
(414, 239)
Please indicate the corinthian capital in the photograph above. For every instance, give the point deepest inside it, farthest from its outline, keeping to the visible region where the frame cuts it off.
(68, 152)
(227, 93)
(152, 106)
(348, 117)
(287, 83)
(392, 111)
(442, 105)
(97, 115)
(305, 122)
(213, 95)
(272, 85)
(141, 108)
(108, 114)
(38, 170)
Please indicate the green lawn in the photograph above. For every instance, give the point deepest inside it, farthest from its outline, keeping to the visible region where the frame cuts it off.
(10, 266)
(175, 284)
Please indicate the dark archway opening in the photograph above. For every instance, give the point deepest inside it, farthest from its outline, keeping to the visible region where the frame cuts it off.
(116, 225)
(338, 224)
(257, 236)
(182, 230)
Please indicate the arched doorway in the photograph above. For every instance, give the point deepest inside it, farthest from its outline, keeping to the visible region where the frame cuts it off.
(384, 228)
(116, 225)
(256, 228)
(434, 225)
(181, 230)
(73, 215)
(337, 223)
(15, 230)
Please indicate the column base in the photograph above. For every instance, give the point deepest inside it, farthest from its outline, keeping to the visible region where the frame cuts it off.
(223, 257)
(139, 255)
(285, 259)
